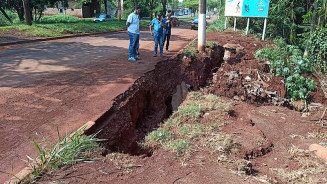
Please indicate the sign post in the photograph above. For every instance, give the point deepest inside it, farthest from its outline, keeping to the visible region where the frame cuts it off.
(264, 29)
(247, 27)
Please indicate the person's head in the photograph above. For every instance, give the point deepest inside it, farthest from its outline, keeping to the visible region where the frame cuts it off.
(158, 15)
(137, 10)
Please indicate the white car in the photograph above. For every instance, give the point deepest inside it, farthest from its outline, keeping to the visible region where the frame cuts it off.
(102, 18)
(208, 16)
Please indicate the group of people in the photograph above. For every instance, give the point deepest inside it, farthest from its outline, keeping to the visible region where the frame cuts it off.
(160, 29)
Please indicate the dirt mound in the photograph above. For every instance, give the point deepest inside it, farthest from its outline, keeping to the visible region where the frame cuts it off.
(242, 77)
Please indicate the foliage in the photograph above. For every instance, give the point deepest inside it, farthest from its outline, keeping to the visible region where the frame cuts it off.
(13, 16)
(318, 49)
(286, 61)
(217, 25)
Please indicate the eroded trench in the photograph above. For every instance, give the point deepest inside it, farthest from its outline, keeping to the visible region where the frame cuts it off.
(152, 99)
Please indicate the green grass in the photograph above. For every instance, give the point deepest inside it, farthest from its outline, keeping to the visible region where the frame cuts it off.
(186, 18)
(72, 148)
(183, 129)
(53, 26)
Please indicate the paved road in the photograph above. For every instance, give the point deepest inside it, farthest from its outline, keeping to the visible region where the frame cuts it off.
(64, 84)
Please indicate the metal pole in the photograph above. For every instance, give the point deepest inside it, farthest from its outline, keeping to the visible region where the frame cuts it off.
(264, 29)
(202, 25)
(247, 27)
(225, 22)
(235, 24)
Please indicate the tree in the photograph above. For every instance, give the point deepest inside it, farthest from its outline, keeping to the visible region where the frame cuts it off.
(3, 5)
(27, 10)
(164, 5)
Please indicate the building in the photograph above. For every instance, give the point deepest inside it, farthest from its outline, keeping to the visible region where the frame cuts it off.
(82, 11)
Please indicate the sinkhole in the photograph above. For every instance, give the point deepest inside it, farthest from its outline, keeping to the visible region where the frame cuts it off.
(152, 99)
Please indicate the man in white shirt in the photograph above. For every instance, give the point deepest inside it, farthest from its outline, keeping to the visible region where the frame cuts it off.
(133, 27)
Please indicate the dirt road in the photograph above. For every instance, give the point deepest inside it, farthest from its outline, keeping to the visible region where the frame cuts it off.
(65, 83)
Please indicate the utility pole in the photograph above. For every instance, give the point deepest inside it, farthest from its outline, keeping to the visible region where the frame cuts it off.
(202, 25)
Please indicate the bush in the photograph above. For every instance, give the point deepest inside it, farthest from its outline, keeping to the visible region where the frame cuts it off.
(286, 61)
(13, 16)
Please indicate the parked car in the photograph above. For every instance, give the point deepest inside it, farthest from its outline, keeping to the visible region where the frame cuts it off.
(208, 16)
(175, 21)
(195, 23)
(102, 18)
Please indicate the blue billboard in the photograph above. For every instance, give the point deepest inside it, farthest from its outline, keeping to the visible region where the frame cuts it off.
(247, 8)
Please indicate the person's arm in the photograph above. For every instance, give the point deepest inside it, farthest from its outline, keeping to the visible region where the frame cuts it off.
(127, 24)
(151, 28)
(162, 23)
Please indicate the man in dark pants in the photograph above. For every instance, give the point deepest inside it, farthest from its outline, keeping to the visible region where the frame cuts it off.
(167, 30)
(157, 33)
(133, 27)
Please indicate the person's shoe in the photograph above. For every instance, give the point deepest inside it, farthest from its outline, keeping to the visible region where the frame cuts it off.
(167, 50)
(137, 58)
(161, 55)
(139, 54)
(155, 55)
(131, 59)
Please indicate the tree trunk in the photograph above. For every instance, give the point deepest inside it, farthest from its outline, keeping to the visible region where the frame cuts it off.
(164, 3)
(27, 10)
(40, 15)
(5, 14)
(105, 6)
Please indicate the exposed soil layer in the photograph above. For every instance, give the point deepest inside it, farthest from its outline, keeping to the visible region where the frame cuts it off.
(264, 134)
(148, 102)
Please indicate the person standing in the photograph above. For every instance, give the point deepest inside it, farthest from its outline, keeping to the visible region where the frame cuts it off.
(157, 33)
(167, 30)
(133, 28)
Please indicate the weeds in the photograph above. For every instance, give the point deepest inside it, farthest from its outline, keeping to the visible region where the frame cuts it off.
(72, 148)
(190, 50)
(309, 168)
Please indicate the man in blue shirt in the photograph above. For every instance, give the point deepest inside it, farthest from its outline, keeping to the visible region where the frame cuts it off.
(157, 33)
(133, 27)
(167, 30)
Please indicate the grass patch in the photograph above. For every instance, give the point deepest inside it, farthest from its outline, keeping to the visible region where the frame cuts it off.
(217, 25)
(53, 26)
(183, 130)
(72, 148)
(189, 50)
